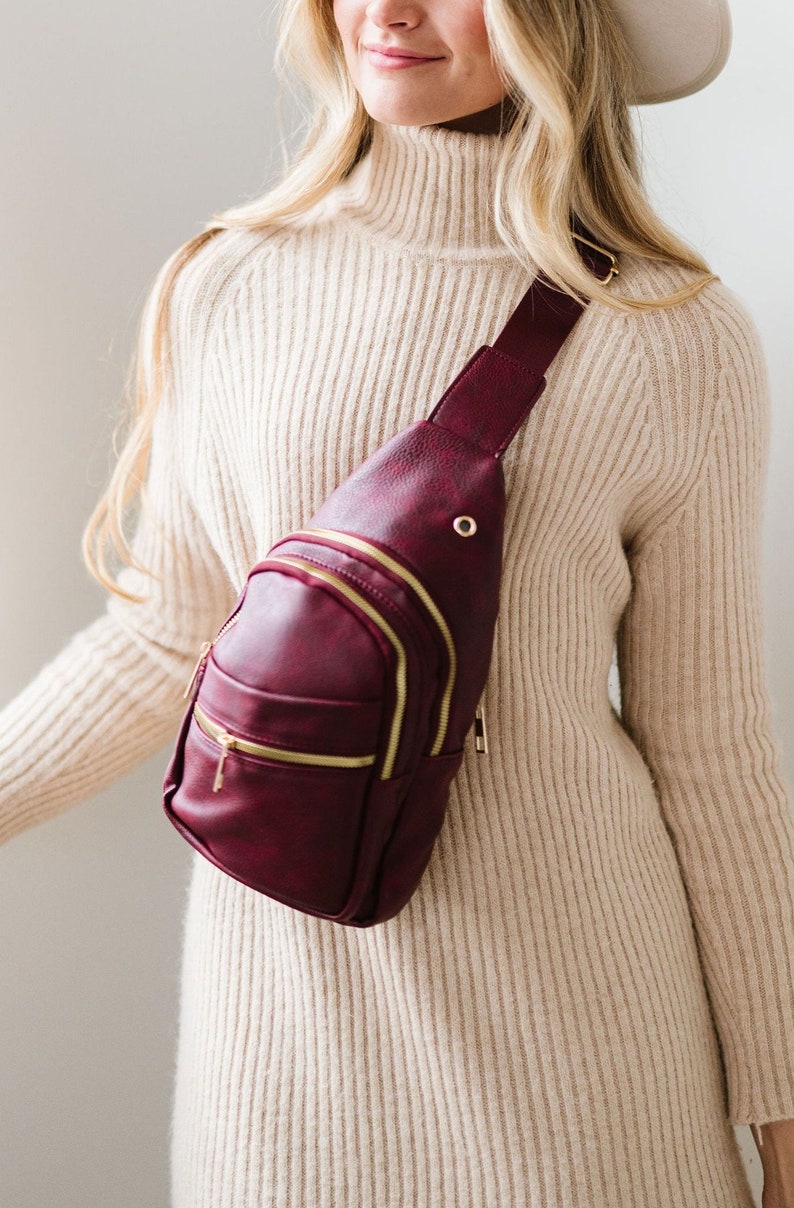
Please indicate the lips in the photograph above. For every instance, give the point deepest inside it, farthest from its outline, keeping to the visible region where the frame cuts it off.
(396, 52)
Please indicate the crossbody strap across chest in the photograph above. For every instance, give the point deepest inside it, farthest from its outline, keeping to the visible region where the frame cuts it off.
(495, 391)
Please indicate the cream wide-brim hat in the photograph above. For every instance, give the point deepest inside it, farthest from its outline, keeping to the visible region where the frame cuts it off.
(680, 46)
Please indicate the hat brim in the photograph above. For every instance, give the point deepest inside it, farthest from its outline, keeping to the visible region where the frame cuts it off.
(680, 46)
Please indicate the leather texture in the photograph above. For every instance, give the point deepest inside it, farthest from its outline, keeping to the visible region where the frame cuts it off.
(358, 651)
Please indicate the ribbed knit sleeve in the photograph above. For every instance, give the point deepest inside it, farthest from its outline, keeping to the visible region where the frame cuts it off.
(113, 695)
(692, 672)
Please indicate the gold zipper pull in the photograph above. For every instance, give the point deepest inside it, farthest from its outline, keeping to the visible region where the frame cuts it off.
(480, 733)
(227, 742)
(202, 658)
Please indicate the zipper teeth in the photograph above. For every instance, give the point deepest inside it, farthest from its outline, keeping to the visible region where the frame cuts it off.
(220, 734)
(205, 650)
(429, 603)
(232, 621)
(385, 627)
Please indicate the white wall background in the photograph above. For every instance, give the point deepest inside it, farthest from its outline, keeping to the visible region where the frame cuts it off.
(122, 128)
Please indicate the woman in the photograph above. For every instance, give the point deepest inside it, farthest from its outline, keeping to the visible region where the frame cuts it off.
(594, 979)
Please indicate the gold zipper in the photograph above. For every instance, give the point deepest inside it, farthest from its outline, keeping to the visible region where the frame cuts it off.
(401, 674)
(206, 647)
(232, 742)
(366, 547)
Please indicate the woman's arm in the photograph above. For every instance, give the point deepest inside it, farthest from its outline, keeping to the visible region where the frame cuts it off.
(694, 700)
(113, 695)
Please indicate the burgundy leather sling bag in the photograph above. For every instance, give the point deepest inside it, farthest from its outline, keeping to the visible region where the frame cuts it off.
(328, 716)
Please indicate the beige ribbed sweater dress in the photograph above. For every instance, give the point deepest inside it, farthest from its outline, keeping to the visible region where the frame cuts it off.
(595, 978)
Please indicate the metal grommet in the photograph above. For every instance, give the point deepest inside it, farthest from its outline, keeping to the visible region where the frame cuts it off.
(465, 526)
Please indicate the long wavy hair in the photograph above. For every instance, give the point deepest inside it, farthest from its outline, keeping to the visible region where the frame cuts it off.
(568, 156)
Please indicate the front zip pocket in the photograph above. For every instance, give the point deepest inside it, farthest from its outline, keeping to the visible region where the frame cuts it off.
(233, 742)
(277, 792)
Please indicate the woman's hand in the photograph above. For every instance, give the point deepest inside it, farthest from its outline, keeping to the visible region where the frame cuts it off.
(776, 1147)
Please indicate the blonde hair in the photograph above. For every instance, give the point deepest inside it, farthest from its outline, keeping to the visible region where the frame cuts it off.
(568, 156)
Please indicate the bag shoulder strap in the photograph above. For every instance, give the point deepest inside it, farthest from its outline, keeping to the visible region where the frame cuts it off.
(495, 391)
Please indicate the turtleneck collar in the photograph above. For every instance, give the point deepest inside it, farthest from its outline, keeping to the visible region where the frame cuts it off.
(427, 190)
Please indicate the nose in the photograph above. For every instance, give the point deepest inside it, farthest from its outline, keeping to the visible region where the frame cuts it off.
(388, 13)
